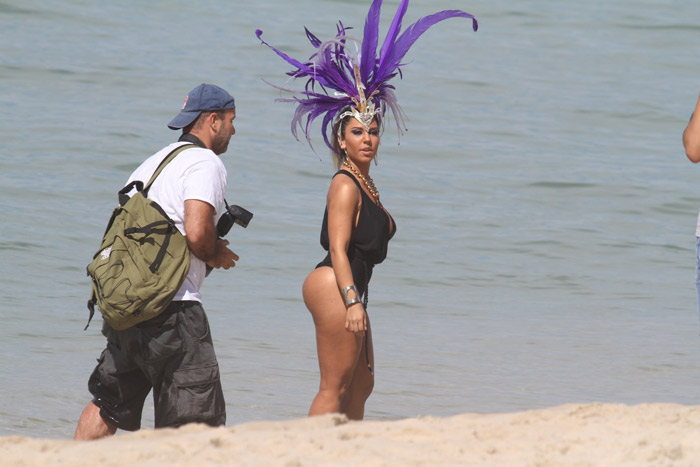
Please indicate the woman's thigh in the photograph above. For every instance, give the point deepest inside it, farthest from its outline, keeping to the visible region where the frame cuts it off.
(338, 349)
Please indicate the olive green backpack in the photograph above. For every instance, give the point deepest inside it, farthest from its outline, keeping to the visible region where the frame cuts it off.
(142, 261)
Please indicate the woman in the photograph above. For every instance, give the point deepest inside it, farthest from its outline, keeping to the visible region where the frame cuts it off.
(356, 230)
(348, 84)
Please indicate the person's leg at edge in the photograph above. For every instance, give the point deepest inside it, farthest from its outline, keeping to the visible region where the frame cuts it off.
(338, 350)
(697, 270)
(91, 425)
(362, 383)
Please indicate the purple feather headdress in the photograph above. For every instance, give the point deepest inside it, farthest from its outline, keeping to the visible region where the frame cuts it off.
(346, 72)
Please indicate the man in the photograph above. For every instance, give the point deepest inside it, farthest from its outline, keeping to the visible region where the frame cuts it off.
(173, 354)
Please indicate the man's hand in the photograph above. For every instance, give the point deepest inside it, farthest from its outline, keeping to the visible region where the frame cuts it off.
(225, 258)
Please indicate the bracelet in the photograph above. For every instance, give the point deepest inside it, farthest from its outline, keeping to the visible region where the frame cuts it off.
(351, 301)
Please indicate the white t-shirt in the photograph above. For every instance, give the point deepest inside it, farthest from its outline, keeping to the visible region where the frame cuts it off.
(195, 173)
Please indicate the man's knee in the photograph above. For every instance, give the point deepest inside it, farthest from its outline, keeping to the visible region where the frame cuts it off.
(92, 425)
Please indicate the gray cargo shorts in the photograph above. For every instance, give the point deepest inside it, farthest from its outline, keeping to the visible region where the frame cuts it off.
(172, 354)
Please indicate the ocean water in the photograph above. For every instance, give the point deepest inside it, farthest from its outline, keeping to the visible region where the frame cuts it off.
(545, 207)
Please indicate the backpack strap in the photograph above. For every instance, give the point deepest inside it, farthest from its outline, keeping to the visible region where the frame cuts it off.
(146, 230)
(165, 162)
(138, 184)
(91, 308)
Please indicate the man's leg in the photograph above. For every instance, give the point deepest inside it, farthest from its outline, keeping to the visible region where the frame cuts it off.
(92, 426)
(190, 389)
(119, 388)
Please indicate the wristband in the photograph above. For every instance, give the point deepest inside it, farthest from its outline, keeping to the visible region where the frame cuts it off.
(351, 300)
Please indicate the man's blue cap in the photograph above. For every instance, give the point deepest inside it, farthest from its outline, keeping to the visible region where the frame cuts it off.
(203, 98)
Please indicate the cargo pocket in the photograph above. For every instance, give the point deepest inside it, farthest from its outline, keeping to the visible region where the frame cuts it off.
(196, 323)
(199, 397)
(160, 342)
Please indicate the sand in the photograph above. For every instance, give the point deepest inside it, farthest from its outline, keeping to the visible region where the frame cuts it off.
(572, 434)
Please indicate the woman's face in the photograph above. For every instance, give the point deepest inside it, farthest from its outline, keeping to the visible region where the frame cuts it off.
(359, 144)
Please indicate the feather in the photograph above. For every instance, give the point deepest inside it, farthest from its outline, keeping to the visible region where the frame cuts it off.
(334, 67)
(396, 52)
(370, 40)
(315, 41)
(393, 30)
(302, 67)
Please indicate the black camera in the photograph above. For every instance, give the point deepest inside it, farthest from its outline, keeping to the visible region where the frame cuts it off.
(233, 215)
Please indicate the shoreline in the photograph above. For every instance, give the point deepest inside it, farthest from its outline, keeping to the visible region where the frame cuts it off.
(571, 434)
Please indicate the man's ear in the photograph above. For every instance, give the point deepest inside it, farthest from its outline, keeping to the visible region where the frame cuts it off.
(210, 122)
(214, 121)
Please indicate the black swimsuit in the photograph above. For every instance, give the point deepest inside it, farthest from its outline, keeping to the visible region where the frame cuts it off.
(369, 240)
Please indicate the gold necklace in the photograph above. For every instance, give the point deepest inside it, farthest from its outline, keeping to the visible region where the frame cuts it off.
(369, 183)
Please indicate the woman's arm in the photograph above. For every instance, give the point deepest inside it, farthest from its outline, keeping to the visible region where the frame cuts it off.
(343, 203)
(691, 136)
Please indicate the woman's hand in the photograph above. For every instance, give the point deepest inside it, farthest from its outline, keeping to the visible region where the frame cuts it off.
(356, 318)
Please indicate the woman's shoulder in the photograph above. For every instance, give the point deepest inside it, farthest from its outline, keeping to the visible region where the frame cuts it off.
(346, 178)
(344, 185)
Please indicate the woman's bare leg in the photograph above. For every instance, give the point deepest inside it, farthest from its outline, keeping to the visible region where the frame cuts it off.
(338, 350)
(361, 384)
